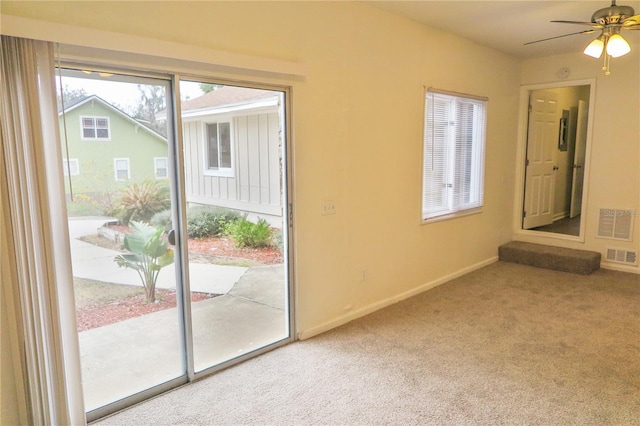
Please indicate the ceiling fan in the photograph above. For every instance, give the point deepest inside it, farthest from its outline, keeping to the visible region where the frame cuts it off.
(610, 21)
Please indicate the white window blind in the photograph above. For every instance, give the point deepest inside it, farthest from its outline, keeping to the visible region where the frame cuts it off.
(122, 169)
(71, 166)
(454, 139)
(161, 167)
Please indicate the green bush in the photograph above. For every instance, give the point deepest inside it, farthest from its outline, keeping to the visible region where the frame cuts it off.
(140, 201)
(162, 219)
(245, 233)
(202, 221)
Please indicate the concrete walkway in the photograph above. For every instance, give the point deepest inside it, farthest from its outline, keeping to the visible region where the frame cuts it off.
(96, 263)
(121, 359)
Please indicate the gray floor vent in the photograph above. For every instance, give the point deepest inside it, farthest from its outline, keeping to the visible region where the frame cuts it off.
(628, 257)
(615, 224)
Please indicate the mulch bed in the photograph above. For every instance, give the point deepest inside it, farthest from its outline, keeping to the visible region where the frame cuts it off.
(89, 317)
(209, 250)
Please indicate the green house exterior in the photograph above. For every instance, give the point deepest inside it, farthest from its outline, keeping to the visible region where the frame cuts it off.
(105, 150)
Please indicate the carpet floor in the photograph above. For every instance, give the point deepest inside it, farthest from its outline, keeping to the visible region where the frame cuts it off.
(505, 345)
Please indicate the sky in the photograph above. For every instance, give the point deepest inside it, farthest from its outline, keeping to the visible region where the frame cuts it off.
(122, 94)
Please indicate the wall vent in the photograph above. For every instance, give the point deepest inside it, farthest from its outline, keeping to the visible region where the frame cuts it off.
(615, 224)
(616, 255)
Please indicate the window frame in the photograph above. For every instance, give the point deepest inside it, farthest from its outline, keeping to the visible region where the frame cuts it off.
(95, 128)
(115, 169)
(219, 171)
(166, 167)
(73, 163)
(462, 190)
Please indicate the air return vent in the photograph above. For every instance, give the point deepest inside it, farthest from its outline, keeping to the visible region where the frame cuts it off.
(615, 224)
(616, 255)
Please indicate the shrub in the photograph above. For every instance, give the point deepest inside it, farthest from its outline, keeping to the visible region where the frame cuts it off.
(245, 233)
(162, 219)
(202, 221)
(207, 221)
(140, 201)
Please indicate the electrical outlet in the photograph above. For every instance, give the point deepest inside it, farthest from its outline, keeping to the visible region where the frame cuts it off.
(328, 208)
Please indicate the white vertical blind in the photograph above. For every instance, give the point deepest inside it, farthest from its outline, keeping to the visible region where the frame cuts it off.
(29, 135)
(454, 138)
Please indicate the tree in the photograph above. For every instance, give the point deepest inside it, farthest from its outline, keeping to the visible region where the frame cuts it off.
(148, 254)
(208, 87)
(152, 99)
(69, 95)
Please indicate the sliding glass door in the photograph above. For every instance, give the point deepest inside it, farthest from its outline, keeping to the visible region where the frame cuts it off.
(177, 227)
(233, 145)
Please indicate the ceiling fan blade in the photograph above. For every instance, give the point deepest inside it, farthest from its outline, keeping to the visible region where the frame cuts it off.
(560, 36)
(631, 23)
(591, 24)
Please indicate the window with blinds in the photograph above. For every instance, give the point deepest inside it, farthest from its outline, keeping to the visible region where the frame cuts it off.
(454, 139)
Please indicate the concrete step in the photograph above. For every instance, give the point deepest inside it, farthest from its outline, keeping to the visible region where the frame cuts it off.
(581, 262)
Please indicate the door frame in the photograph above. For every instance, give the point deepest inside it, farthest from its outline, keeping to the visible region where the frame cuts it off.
(176, 168)
(521, 156)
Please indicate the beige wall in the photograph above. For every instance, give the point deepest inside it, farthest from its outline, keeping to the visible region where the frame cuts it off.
(614, 174)
(357, 135)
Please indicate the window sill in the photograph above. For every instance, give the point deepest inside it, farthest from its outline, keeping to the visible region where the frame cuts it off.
(220, 173)
(449, 216)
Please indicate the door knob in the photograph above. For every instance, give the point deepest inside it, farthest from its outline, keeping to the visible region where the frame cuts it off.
(171, 237)
(556, 168)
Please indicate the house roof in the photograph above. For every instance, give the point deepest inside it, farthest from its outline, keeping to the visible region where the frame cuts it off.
(82, 101)
(226, 96)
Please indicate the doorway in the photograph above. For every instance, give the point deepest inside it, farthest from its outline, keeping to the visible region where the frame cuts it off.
(555, 159)
(178, 227)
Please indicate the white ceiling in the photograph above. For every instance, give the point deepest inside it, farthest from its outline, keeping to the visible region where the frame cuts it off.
(506, 25)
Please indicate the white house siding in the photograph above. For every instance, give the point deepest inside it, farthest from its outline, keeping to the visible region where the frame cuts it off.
(255, 186)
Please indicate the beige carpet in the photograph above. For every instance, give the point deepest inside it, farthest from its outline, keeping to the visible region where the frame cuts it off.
(508, 344)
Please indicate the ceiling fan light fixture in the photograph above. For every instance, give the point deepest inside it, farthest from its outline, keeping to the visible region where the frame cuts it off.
(617, 46)
(595, 48)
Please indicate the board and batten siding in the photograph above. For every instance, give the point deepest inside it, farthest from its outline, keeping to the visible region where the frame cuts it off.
(255, 185)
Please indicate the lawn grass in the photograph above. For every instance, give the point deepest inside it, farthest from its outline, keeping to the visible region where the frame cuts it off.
(79, 209)
(95, 293)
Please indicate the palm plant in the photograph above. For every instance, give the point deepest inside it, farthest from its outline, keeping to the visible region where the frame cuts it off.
(149, 253)
(140, 201)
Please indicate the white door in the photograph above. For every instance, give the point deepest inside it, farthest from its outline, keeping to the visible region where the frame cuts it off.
(578, 159)
(542, 138)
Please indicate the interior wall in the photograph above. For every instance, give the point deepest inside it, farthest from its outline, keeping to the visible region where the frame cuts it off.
(614, 173)
(357, 135)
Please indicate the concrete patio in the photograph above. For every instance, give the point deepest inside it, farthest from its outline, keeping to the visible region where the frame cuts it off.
(133, 355)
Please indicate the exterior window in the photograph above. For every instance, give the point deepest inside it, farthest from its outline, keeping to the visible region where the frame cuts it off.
(95, 128)
(453, 170)
(122, 170)
(73, 166)
(160, 167)
(218, 146)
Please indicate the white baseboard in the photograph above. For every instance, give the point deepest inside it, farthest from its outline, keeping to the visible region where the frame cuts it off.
(343, 319)
(621, 268)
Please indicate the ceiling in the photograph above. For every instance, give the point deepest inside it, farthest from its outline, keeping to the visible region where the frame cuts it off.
(506, 25)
